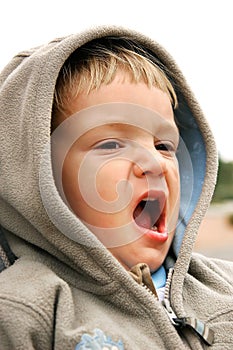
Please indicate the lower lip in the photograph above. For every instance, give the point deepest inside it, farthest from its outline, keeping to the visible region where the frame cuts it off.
(155, 235)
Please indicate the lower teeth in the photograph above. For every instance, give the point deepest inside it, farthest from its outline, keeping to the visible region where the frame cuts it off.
(154, 228)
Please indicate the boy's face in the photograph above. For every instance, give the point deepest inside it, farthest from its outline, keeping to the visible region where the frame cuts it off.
(121, 179)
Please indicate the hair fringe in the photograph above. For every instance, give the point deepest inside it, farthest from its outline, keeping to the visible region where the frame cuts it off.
(91, 66)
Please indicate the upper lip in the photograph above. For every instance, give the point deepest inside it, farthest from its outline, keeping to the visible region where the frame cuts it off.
(152, 195)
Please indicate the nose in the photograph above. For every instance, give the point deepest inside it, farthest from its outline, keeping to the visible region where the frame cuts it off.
(149, 162)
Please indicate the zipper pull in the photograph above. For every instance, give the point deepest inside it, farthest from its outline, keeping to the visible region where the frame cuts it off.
(203, 331)
(171, 314)
(206, 333)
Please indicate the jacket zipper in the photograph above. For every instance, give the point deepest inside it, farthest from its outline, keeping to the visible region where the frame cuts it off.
(196, 325)
(166, 301)
(150, 291)
(141, 275)
(203, 331)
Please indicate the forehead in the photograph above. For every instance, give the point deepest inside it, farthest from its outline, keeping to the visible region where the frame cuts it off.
(121, 89)
(115, 116)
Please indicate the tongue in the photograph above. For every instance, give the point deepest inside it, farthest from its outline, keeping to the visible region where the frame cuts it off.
(142, 218)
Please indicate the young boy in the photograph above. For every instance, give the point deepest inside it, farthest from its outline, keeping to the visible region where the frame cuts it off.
(107, 168)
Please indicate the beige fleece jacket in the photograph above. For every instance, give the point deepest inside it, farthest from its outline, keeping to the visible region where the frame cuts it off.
(67, 294)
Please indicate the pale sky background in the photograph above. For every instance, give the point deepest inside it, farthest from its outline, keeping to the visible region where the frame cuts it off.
(197, 33)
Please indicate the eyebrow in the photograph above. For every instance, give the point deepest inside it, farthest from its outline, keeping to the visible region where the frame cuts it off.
(169, 130)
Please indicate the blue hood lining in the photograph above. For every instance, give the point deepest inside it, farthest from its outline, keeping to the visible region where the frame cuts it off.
(191, 156)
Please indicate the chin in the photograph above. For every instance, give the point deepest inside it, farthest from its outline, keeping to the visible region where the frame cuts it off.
(153, 261)
(153, 265)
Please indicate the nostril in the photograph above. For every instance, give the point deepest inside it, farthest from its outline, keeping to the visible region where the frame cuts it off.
(140, 172)
(146, 173)
(149, 169)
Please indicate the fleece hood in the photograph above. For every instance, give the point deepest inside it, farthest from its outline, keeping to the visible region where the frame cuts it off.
(31, 209)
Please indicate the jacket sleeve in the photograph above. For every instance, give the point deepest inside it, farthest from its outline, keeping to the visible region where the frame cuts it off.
(22, 327)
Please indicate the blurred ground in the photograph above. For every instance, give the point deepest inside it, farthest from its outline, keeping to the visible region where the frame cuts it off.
(215, 237)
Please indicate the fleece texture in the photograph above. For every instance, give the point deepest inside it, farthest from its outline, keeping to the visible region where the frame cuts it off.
(63, 293)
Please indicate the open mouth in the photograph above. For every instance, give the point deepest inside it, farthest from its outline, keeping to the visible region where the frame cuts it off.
(150, 214)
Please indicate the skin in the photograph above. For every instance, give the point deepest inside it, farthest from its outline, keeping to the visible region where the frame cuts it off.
(129, 163)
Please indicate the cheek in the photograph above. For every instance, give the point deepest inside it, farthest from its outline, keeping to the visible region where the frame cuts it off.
(173, 176)
(111, 180)
(173, 183)
(100, 186)
(70, 178)
(106, 183)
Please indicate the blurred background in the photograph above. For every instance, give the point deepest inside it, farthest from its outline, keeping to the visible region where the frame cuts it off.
(197, 33)
(215, 236)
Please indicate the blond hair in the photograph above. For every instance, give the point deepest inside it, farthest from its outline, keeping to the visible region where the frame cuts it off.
(97, 63)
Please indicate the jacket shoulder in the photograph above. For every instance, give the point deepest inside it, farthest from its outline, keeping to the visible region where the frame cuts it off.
(222, 269)
(28, 293)
(33, 287)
